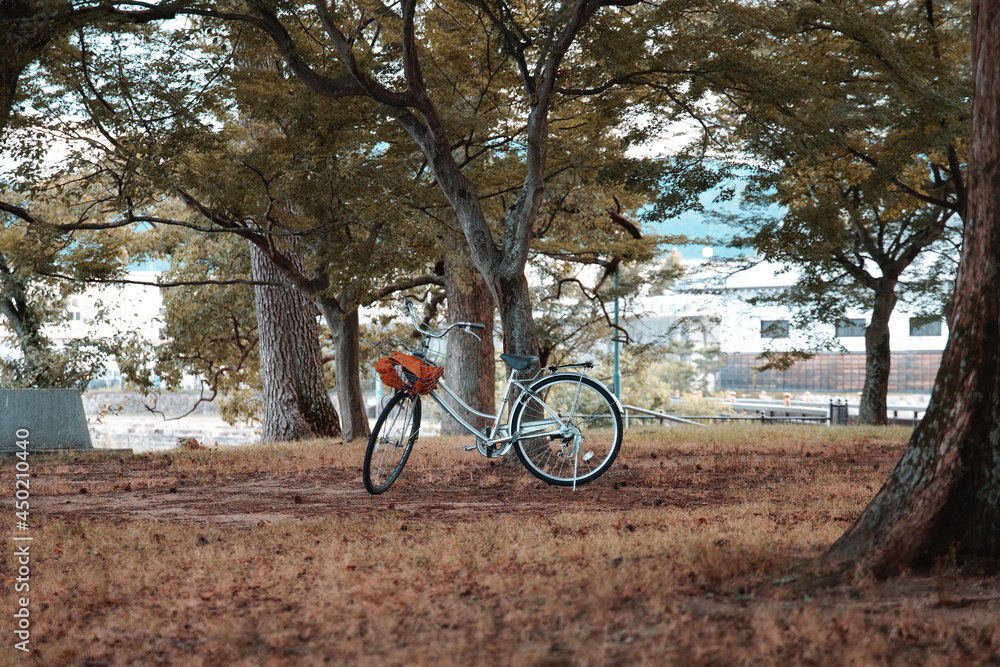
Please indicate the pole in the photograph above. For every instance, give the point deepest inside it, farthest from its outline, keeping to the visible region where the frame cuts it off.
(617, 376)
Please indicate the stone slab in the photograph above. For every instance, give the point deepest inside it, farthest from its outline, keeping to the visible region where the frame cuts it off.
(48, 419)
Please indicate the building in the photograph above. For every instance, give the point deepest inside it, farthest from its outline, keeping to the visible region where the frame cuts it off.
(709, 308)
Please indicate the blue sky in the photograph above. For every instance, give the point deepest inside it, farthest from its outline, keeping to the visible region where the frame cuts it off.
(697, 224)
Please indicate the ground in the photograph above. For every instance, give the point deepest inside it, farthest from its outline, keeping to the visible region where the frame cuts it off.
(102, 489)
(692, 549)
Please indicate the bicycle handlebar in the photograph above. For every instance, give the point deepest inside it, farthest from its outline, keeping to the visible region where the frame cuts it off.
(465, 326)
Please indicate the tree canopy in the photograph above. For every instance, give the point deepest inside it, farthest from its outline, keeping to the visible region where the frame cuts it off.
(857, 115)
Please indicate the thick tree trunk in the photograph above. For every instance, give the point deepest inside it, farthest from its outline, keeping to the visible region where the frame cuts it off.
(514, 304)
(346, 332)
(878, 357)
(943, 497)
(470, 366)
(297, 402)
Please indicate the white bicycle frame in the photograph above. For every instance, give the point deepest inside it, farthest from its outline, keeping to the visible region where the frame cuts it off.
(499, 434)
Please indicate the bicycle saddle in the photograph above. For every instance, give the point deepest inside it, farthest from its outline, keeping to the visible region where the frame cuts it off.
(519, 362)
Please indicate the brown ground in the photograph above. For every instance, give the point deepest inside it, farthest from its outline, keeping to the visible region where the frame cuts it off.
(104, 488)
(688, 552)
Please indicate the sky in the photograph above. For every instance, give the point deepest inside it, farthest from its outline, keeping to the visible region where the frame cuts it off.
(697, 224)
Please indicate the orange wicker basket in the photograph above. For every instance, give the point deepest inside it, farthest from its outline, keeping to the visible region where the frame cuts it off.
(408, 373)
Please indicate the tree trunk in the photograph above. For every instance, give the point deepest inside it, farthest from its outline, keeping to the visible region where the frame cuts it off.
(296, 399)
(346, 331)
(470, 367)
(943, 497)
(24, 321)
(878, 357)
(514, 304)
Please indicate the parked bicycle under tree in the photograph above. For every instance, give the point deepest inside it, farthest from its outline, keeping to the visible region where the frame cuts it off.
(565, 426)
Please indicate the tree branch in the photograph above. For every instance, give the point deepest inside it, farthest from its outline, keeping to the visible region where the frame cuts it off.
(179, 283)
(364, 85)
(402, 285)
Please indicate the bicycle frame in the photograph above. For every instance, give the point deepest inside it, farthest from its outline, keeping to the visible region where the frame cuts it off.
(496, 434)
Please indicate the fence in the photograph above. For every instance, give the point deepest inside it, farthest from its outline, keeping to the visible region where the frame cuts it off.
(911, 372)
(836, 413)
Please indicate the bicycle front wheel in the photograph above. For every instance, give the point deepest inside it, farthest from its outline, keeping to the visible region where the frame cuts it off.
(391, 441)
(568, 428)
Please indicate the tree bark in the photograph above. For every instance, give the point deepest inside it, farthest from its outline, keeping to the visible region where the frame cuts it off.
(943, 498)
(346, 331)
(24, 321)
(878, 356)
(514, 304)
(297, 402)
(470, 367)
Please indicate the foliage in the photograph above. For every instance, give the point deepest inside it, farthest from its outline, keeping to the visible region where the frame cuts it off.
(41, 268)
(858, 115)
(210, 330)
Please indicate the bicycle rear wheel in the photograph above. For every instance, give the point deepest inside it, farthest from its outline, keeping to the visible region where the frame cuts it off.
(391, 441)
(569, 429)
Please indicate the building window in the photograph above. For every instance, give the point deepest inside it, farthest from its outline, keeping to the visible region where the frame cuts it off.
(774, 328)
(851, 329)
(919, 326)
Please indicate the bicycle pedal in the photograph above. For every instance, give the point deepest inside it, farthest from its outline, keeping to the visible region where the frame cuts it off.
(468, 448)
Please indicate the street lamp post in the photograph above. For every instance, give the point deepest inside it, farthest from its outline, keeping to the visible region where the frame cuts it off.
(617, 341)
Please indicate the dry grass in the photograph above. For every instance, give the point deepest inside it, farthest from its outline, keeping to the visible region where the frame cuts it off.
(724, 582)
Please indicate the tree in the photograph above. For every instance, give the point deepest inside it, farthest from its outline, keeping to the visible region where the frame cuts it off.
(943, 497)
(346, 254)
(296, 401)
(869, 263)
(858, 112)
(295, 392)
(258, 355)
(382, 57)
(41, 268)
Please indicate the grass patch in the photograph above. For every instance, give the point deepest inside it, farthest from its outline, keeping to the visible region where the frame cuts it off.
(542, 576)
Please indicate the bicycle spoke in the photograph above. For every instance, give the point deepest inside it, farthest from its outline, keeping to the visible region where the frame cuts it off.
(582, 437)
(390, 443)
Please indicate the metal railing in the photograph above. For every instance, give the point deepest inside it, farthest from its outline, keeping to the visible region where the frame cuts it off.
(762, 411)
(772, 412)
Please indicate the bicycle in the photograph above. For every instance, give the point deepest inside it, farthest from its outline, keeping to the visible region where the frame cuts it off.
(566, 427)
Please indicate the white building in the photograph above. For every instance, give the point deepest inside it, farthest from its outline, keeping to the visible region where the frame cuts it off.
(710, 308)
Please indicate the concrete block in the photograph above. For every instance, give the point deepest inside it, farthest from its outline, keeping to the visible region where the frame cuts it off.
(53, 419)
